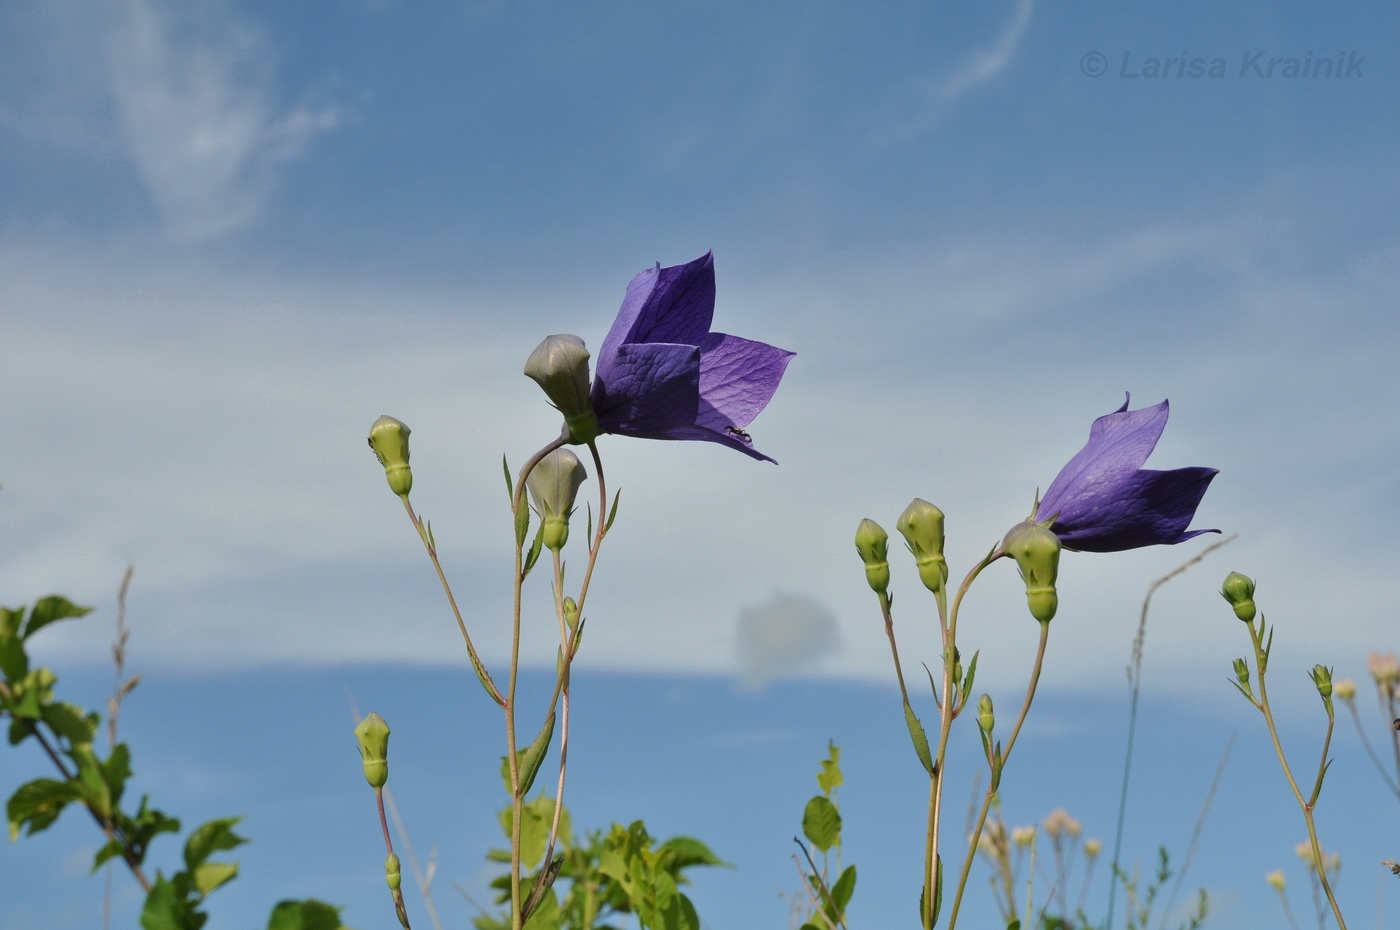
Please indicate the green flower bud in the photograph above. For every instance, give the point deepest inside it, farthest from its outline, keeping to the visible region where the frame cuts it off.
(553, 485)
(921, 524)
(1242, 673)
(1239, 591)
(985, 718)
(1322, 677)
(1037, 553)
(559, 365)
(392, 873)
(571, 612)
(872, 542)
(389, 440)
(373, 735)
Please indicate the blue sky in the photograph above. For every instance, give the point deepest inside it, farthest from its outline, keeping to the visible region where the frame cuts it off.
(235, 233)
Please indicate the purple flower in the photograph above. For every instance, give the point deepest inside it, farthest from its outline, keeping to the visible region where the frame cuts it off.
(662, 374)
(1105, 501)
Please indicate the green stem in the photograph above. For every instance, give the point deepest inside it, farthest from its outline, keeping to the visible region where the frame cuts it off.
(461, 625)
(992, 786)
(948, 710)
(397, 893)
(517, 501)
(1260, 662)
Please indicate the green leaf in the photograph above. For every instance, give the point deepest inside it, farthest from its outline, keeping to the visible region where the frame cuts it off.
(1014, 925)
(682, 852)
(116, 770)
(36, 805)
(829, 777)
(533, 555)
(545, 916)
(14, 664)
(612, 514)
(534, 756)
(71, 722)
(510, 483)
(937, 889)
(210, 838)
(522, 524)
(305, 915)
(10, 621)
(163, 911)
(211, 875)
(20, 730)
(90, 784)
(971, 675)
(843, 889)
(50, 610)
(821, 822)
(916, 733)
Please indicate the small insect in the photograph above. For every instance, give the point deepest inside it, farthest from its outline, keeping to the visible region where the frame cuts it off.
(739, 433)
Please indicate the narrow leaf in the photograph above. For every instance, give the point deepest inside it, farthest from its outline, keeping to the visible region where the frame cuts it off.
(971, 676)
(522, 524)
(510, 485)
(534, 554)
(843, 889)
(612, 515)
(916, 733)
(937, 889)
(534, 756)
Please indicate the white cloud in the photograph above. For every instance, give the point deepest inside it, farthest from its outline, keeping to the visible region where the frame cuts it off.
(195, 93)
(986, 63)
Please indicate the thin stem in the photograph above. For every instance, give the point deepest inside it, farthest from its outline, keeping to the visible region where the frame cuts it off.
(1375, 760)
(1260, 663)
(566, 648)
(949, 709)
(992, 787)
(399, 907)
(517, 500)
(461, 625)
(894, 649)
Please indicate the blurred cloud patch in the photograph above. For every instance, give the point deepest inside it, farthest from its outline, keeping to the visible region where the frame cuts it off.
(788, 634)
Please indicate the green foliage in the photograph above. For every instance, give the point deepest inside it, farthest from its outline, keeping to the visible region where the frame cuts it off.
(305, 915)
(608, 875)
(823, 904)
(66, 733)
(821, 823)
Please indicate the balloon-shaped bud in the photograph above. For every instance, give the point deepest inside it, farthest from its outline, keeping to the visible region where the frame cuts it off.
(559, 365)
(921, 524)
(985, 718)
(1322, 678)
(1239, 591)
(872, 542)
(571, 612)
(373, 736)
(389, 440)
(392, 872)
(1037, 554)
(554, 484)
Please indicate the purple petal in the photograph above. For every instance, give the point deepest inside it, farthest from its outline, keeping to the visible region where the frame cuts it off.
(1152, 508)
(737, 379)
(670, 305)
(708, 435)
(648, 388)
(1119, 444)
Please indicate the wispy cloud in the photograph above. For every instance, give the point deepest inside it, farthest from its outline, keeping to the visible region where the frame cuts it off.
(972, 72)
(195, 94)
(787, 634)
